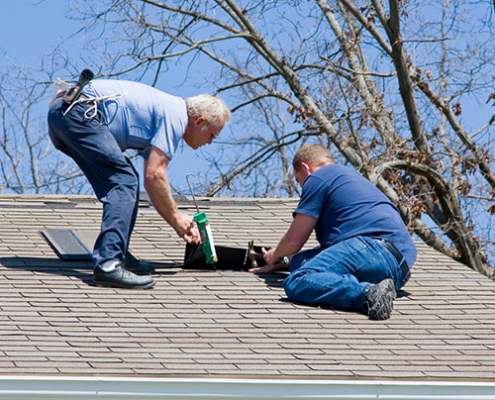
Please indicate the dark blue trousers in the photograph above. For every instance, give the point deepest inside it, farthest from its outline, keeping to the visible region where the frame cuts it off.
(114, 179)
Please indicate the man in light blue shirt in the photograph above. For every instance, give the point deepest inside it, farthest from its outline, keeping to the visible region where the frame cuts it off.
(110, 117)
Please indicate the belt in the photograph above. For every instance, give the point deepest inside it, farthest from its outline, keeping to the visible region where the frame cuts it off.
(81, 96)
(396, 253)
(90, 113)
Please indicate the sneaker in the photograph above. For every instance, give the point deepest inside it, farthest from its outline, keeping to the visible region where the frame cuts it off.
(139, 267)
(121, 278)
(380, 300)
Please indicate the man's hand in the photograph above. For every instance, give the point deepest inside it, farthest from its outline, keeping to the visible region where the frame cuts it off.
(292, 241)
(269, 256)
(272, 264)
(186, 229)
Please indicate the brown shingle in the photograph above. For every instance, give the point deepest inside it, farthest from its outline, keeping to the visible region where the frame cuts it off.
(221, 323)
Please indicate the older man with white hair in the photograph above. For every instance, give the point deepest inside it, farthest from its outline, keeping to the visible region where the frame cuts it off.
(109, 117)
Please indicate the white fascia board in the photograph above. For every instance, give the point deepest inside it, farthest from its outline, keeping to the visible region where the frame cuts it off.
(79, 388)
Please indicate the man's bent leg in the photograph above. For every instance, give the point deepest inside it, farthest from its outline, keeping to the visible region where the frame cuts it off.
(97, 153)
(338, 276)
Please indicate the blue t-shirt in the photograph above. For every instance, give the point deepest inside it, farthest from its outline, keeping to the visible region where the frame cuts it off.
(347, 205)
(142, 116)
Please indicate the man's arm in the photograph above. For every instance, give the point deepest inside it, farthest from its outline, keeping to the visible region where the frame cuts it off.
(292, 241)
(158, 189)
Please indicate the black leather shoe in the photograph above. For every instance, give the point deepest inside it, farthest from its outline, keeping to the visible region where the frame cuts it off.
(121, 278)
(139, 267)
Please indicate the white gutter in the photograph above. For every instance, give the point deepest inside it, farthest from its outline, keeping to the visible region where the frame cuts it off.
(78, 388)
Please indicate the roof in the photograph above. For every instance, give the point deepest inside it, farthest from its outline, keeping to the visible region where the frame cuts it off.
(221, 324)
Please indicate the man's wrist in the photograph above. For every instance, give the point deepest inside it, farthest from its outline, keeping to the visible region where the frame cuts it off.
(284, 261)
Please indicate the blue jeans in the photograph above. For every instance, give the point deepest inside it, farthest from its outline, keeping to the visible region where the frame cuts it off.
(114, 179)
(340, 276)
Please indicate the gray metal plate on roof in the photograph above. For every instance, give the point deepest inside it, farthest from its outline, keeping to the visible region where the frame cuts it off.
(88, 238)
(69, 244)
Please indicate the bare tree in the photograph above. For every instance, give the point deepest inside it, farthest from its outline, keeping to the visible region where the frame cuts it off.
(28, 161)
(383, 85)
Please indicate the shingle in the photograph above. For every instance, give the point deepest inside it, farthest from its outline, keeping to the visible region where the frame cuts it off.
(221, 323)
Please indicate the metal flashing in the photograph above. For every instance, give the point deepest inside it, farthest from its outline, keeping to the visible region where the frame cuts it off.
(68, 245)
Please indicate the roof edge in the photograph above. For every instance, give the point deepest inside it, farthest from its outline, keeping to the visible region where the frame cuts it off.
(53, 387)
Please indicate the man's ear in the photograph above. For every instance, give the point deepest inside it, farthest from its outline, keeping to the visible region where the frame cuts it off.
(306, 167)
(198, 121)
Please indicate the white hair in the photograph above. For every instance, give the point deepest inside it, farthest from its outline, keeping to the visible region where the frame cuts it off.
(211, 108)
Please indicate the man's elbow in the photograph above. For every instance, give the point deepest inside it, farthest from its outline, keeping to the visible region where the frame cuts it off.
(148, 181)
(152, 183)
(152, 176)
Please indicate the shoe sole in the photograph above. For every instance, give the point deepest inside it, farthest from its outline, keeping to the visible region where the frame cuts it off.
(384, 312)
(119, 286)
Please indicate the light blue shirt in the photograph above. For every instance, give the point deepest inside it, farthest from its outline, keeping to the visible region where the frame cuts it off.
(142, 116)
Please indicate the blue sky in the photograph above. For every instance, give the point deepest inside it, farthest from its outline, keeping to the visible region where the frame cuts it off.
(32, 28)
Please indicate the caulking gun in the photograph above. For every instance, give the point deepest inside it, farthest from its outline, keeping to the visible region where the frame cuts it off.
(204, 230)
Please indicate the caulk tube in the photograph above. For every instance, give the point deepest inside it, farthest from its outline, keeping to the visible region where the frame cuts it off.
(206, 237)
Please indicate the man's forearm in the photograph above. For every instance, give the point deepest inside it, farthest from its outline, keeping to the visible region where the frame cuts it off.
(158, 188)
(161, 197)
(286, 248)
(293, 240)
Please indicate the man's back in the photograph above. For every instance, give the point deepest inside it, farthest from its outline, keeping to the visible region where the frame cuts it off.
(348, 205)
(139, 115)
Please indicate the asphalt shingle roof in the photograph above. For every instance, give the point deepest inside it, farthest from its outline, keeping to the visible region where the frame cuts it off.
(221, 323)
